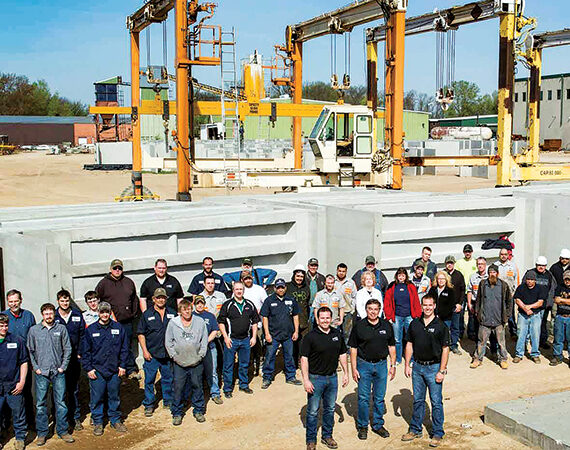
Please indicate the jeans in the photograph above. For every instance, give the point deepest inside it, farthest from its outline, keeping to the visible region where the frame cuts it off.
(242, 348)
(269, 363)
(187, 377)
(16, 404)
(325, 388)
(561, 334)
(423, 377)
(453, 325)
(42, 416)
(543, 329)
(529, 325)
(72, 375)
(211, 371)
(373, 377)
(99, 387)
(131, 362)
(400, 325)
(151, 369)
(484, 334)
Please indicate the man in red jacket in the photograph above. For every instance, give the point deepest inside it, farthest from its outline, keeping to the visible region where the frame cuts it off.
(120, 292)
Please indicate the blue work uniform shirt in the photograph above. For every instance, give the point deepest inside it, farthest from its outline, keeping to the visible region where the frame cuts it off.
(153, 327)
(21, 324)
(197, 284)
(279, 313)
(104, 348)
(75, 327)
(13, 353)
(211, 324)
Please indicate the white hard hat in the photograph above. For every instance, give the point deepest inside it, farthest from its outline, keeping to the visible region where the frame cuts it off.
(541, 261)
(299, 267)
(565, 253)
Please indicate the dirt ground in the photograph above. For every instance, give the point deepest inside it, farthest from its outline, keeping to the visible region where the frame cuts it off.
(274, 418)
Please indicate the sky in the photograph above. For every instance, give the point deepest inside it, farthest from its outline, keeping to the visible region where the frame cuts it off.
(72, 44)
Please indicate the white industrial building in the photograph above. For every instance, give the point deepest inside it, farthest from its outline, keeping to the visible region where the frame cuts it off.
(554, 108)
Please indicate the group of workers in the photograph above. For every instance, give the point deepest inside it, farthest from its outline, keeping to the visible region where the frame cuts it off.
(319, 322)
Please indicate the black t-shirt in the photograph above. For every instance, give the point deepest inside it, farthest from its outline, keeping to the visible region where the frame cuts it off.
(530, 296)
(428, 341)
(171, 285)
(372, 341)
(564, 292)
(323, 350)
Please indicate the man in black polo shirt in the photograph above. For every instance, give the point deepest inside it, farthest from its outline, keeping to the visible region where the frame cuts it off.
(321, 350)
(163, 280)
(238, 320)
(562, 320)
(371, 341)
(428, 341)
(151, 332)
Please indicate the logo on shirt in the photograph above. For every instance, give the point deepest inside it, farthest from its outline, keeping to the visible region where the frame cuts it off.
(273, 304)
(169, 316)
(12, 345)
(76, 319)
(96, 334)
(187, 335)
(151, 318)
(382, 331)
(334, 339)
(114, 331)
(57, 333)
(431, 330)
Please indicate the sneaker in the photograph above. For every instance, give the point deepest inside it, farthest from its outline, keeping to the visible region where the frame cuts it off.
(119, 427)
(312, 446)
(555, 362)
(177, 420)
(294, 382)
(246, 390)
(363, 434)
(410, 436)
(504, 364)
(435, 441)
(78, 426)
(382, 432)
(228, 394)
(199, 417)
(67, 438)
(98, 430)
(329, 442)
(475, 363)
(40, 440)
(265, 384)
(456, 351)
(535, 359)
(19, 445)
(517, 359)
(217, 400)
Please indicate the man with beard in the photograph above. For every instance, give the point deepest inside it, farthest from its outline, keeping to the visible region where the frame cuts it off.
(493, 308)
(559, 267)
(299, 290)
(197, 284)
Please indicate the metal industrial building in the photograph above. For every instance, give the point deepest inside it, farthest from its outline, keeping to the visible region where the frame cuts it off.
(38, 130)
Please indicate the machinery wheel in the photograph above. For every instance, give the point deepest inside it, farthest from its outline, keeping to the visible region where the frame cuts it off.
(129, 192)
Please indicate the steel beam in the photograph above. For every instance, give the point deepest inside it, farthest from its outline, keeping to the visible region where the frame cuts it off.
(153, 11)
(450, 18)
(552, 38)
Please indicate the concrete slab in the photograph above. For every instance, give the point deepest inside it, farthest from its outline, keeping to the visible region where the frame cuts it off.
(537, 421)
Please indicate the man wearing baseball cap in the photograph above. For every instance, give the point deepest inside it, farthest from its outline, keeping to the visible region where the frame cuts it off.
(370, 266)
(120, 292)
(315, 279)
(262, 277)
(562, 320)
(151, 333)
(280, 315)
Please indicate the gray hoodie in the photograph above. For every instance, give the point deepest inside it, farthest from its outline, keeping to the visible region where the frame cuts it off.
(186, 346)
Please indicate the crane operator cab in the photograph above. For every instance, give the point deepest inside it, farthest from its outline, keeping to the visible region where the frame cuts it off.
(343, 135)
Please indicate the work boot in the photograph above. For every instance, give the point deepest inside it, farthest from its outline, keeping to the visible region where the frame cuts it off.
(456, 351)
(517, 359)
(363, 434)
(329, 442)
(67, 438)
(119, 427)
(555, 361)
(148, 411)
(246, 390)
(410, 436)
(199, 417)
(98, 430)
(228, 394)
(294, 382)
(382, 432)
(266, 383)
(435, 441)
(177, 420)
(40, 440)
(78, 426)
(19, 445)
(536, 359)
(475, 363)
(312, 446)
(504, 364)
(217, 400)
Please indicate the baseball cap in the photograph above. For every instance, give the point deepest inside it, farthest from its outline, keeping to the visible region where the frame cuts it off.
(313, 261)
(530, 275)
(199, 298)
(565, 253)
(370, 259)
(450, 258)
(281, 282)
(299, 268)
(104, 307)
(467, 248)
(541, 261)
(247, 262)
(493, 267)
(246, 274)
(116, 262)
(160, 292)
(566, 275)
(420, 263)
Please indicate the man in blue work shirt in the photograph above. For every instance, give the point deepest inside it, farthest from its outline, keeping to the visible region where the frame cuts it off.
(280, 315)
(197, 284)
(261, 277)
(211, 358)
(50, 352)
(73, 321)
(13, 371)
(104, 354)
(370, 266)
(151, 331)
